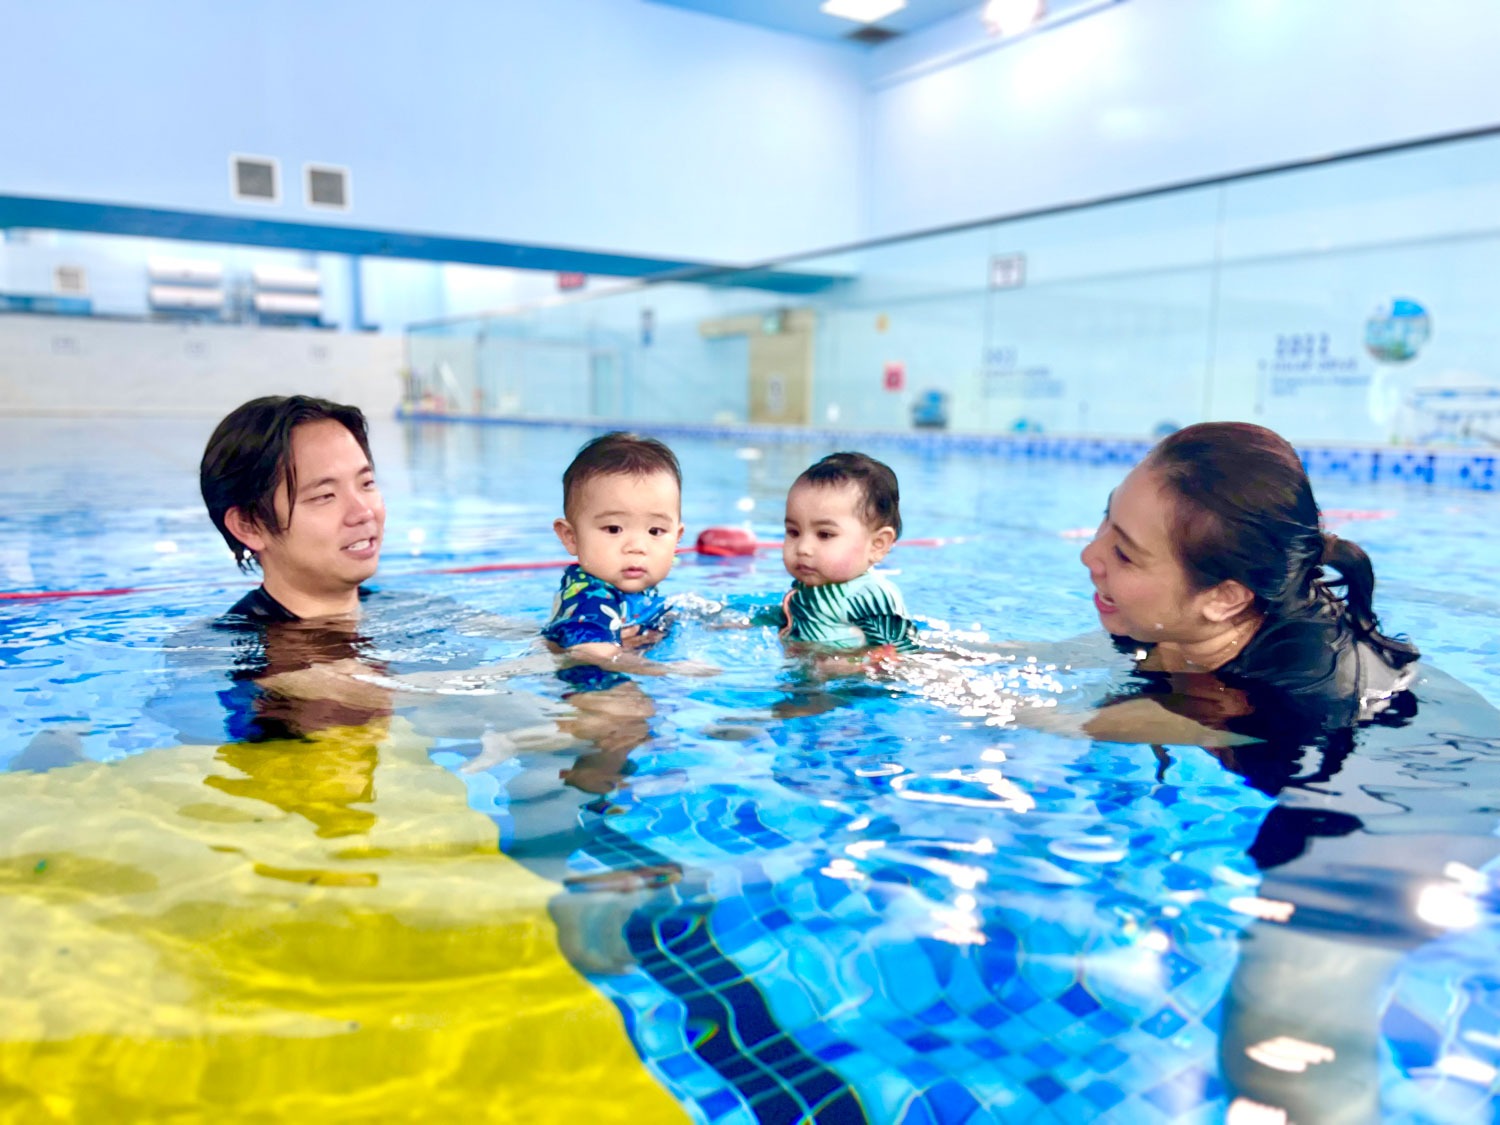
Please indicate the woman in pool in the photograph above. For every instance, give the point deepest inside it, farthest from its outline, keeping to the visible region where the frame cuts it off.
(1210, 559)
(1210, 571)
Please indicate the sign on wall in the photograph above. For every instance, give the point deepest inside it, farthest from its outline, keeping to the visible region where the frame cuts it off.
(1007, 271)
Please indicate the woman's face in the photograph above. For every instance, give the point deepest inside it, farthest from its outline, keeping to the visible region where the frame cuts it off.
(1140, 589)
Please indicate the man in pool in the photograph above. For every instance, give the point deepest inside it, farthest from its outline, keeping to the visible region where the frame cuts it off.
(290, 484)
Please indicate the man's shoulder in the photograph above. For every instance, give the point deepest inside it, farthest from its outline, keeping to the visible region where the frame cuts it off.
(254, 609)
(258, 608)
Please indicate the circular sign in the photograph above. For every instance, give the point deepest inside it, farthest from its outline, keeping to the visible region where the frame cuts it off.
(1396, 332)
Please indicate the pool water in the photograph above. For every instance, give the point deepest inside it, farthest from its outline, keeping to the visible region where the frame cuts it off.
(868, 899)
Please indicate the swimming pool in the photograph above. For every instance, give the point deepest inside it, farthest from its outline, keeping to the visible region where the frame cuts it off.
(892, 904)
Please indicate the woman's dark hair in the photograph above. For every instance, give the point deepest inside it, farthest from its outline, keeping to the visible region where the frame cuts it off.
(249, 457)
(617, 454)
(1244, 510)
(880, 495)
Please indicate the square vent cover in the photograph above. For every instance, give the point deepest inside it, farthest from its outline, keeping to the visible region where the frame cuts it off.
(328, 186)
(254, 179)
(70, 280)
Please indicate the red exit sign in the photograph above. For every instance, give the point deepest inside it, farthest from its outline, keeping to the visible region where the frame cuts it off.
(566, 281)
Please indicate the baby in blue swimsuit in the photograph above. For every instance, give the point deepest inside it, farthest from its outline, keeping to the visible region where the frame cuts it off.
(622, 520)
(842, 517)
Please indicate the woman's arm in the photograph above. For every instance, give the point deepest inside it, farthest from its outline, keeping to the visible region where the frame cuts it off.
(1138, 720)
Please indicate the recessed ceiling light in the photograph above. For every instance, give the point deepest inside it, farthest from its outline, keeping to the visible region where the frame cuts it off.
(1009, 17)
(861, 11)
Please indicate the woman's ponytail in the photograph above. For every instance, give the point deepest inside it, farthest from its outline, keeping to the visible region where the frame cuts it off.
(1357, 579)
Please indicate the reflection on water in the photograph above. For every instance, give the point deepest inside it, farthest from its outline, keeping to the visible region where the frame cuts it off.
(313, 928)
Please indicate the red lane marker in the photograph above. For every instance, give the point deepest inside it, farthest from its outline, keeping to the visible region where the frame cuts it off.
(481, 568)
(487, 568)
(1358, 513)
(39, 595)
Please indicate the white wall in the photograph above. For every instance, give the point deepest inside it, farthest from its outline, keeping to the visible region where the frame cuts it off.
(1156, 92)
(610, 125)
(68, 365)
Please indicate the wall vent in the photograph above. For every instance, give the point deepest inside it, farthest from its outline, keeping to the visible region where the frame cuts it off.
(70, 280)
(328, 186)
(254, 179)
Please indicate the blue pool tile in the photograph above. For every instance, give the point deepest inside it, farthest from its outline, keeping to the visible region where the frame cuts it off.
(987, 1048)
(1079, 1000)
(833, 1052)
(677, 1066)
(1179, 968)
(1414, 1042)
(778, 1105)
(1105, 1057)
(776, 919)
(927, 1042)
(1184, 1091)
(1164, 1023)
(1046, 1088)
(1045, 1055)
(938, 1013)
(1104, 1095)
(1107, 1023)
(1018, 996)
(719, 1104)
(989, 1016)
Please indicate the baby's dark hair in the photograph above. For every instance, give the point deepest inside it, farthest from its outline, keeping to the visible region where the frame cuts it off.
(880, 495)
(616, 454)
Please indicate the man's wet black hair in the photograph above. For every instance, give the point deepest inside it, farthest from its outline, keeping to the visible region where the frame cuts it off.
(617, 454)
(880, 495)
(249, 458)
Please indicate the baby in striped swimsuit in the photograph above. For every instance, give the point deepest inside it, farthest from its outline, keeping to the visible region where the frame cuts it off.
(842, 517)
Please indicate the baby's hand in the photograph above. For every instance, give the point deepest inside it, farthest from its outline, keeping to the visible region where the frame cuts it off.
(879, 659)
(692, 668)
(633, 636)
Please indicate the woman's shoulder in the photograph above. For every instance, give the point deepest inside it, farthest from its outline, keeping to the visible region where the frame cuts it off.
(1314, 651)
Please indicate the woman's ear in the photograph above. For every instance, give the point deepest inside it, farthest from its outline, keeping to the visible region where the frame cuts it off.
(245, 529)
(881, 543)
(1227, 600)
(566, 535)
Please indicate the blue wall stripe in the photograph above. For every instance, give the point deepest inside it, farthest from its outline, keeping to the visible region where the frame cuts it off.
(1461, 468)
(198, 226)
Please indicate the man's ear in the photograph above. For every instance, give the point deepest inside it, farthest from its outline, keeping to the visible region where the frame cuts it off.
(566, 535)
(881, 543)
(246, 530)
(1226, 601)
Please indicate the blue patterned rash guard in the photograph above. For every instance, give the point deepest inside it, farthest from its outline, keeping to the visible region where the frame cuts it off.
(589, 611)
(864, 612)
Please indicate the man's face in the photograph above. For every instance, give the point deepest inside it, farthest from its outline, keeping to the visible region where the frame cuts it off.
(329, 541)
(625, 529)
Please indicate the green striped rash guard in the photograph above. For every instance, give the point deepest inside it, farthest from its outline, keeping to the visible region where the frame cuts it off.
(862, 613)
